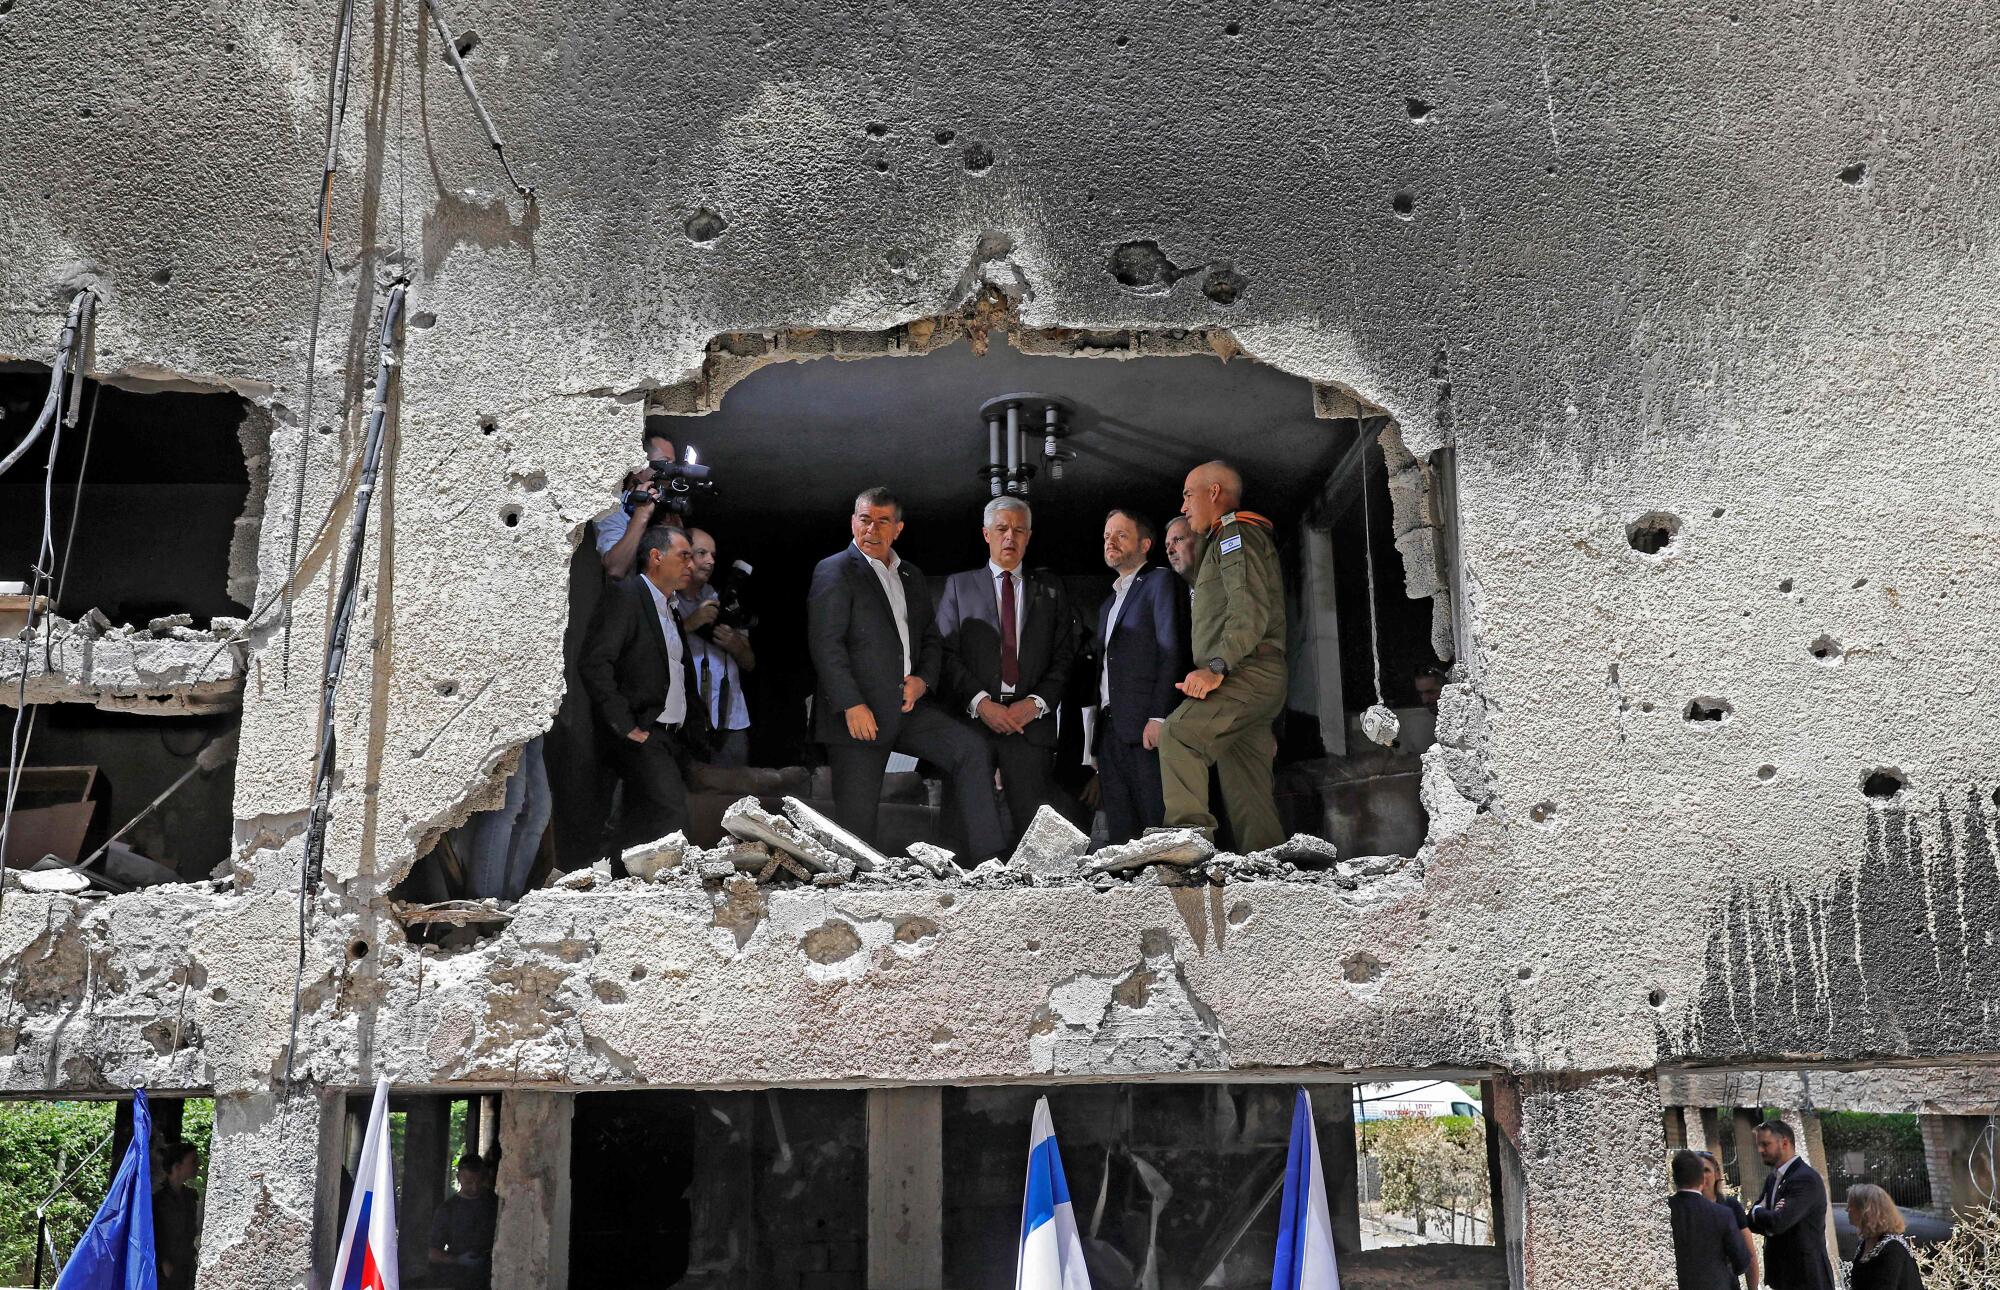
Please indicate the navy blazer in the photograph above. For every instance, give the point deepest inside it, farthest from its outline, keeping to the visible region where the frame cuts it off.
(1792, 1221)
(624, 664)
(856, 650)
(1709, 1249)
(1147, 653)
(968, 620)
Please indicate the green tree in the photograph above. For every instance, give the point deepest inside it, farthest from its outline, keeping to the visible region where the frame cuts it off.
(41, 1142)
(1431, 1168)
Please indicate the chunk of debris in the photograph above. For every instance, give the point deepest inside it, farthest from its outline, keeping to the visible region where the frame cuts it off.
(995, 873)
(1301, 849)
(748, 820)
(165, 626)
(938, 861)
(833, 837)
(1159, 846)
(1380, 724)
(65, 882)
(582, 879)
(649, 859)
(1051, 849)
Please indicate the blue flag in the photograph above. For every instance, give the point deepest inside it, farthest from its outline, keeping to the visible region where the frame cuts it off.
(1304, 1258)
(116, 1252)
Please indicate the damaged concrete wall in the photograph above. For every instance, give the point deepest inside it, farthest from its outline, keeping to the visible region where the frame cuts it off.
(1724, 268)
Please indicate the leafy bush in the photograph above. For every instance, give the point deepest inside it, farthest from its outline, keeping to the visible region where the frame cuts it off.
(40, 1142)
(1431, 1167)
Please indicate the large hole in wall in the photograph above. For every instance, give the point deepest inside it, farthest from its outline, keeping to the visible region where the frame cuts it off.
(166, 518)
(793, 429)
(1174, 1186)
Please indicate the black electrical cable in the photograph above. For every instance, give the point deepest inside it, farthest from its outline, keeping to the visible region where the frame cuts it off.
(313, 861)
(336, 113)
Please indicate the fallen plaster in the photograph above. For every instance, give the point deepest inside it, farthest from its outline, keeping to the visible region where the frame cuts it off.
(163, 668)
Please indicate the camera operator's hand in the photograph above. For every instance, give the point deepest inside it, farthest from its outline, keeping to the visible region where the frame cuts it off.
(736, 644)
(997, 718)
(637, 735)
(861, 723)
(708, 612)
(913, 689)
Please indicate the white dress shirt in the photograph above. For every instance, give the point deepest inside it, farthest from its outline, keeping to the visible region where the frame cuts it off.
(675, 711)
(993, 574)
(892, 587)
(715, 670)
(1118, 590)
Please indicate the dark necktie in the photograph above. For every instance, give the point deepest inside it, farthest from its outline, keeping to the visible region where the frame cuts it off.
(1010, 665)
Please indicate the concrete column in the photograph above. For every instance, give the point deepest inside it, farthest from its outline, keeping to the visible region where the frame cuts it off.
(905, 1188)
(1937, 1159)
(1673, 1129)
(258, 1216)
(1587, 1180)
(1333, 1113)
(1812, 1145)
(1749, 1165)
(531, 1238)
(1694, 1130)
(425, 1180)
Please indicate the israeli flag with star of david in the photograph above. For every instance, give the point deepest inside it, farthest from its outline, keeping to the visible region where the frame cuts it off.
(1051, 1249)
(1304, 1259)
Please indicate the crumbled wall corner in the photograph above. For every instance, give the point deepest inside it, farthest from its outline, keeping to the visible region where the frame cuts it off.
(159, 668)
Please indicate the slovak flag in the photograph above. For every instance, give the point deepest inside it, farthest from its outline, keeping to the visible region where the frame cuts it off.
(1304, 1260)
(368, 1239)
(1051, 1249)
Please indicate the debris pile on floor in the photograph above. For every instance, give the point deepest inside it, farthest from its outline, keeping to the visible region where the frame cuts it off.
(802, 847)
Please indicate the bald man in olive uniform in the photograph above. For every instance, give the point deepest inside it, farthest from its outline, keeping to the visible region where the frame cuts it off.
(1237, 688)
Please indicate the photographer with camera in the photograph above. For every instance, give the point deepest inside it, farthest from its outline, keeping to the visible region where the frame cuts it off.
(718, 622)
(660, 492)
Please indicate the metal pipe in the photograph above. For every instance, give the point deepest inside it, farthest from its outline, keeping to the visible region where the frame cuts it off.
(457, 61)
(994, 468)
(1013, 446)
(1052, 431)
(67, 353)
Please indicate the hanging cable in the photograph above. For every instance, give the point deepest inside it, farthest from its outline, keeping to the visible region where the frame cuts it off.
(312, 862)
(457, 61)
(1379, 721)
(336, 113)
(58, 410)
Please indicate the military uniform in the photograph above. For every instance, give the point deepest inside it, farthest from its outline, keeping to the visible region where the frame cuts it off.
(1239, 623)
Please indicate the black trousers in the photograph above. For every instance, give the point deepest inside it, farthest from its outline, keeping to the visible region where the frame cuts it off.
(1024, 775)
(929, 734)
(656, 801)
(1128, 782)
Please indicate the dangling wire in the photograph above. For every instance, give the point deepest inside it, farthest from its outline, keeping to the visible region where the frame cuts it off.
(312, 863)
(336, 113)
(457, 61)
(58, 409)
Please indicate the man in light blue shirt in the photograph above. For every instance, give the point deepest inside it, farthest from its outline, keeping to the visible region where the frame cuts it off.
(619, 530)
(721, 655)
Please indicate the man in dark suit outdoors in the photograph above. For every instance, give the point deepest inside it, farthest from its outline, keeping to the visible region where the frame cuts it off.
(1790, 1214)
(876, 649)
(1142, 635)
(635, 667)
(1709, 1249)
(1009, 638)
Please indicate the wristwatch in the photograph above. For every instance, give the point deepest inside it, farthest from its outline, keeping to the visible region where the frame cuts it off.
(1218, 667)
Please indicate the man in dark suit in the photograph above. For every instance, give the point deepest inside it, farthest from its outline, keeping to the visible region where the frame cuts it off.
(1709, 1249)
(1009, 638)
(1790, 1214)
(635, 667)
(1142, 635)
(876, 649)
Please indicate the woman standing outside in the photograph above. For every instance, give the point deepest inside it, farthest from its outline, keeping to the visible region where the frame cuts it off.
(1883, 1260)
(1711, 1187)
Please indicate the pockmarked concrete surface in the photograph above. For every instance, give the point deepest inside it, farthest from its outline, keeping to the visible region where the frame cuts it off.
(1697, 297)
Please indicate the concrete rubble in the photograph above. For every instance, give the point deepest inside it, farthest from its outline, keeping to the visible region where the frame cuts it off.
(165, 666)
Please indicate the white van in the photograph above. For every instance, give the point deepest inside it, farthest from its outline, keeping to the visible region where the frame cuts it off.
(1415, 1099)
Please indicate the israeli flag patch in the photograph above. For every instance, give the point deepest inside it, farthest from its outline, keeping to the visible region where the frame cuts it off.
(1231, 543)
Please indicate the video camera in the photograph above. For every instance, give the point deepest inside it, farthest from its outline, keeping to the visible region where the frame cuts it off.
(732, 605)
(671, 487)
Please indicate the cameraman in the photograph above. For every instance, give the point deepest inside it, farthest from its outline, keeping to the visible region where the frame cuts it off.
(619, 529)
(721, 654)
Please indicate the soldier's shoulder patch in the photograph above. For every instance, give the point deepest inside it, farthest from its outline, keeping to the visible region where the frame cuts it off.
(1231, 543)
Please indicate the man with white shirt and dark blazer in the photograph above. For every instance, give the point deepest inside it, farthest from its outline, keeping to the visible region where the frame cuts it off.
(1009, 638)
(1790, 1214)
(878, 656)
(635, 668)
(1142, 636)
